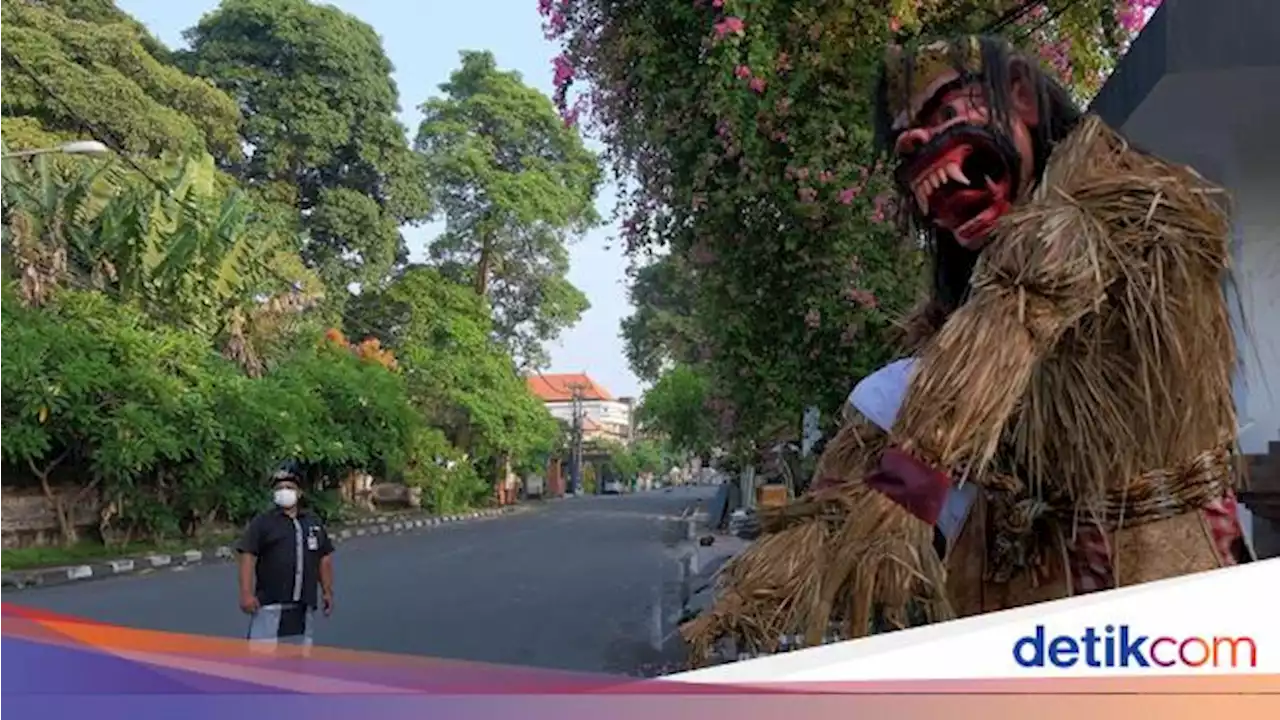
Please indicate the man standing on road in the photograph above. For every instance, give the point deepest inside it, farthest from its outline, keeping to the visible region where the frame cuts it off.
(284, 553)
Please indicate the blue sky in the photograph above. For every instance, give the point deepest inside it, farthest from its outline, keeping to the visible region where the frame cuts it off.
(423, 39)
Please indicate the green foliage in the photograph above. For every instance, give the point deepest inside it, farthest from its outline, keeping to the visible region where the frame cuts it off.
(360, 415)
(457, 375)
(188, 253)
(648, 456)
(112, 73)
(627, 462)
(164, 326)
(127, 406)
(662, 330)
(514, 185)
(170, 430)
(676, 408)
(449, 483)
(321, 118)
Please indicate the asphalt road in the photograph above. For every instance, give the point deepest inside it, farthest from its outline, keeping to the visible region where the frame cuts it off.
(572, 584)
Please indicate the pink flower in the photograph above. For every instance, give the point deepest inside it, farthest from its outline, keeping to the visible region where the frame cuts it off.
(824, 177)
(544, 7)
(1134, 14)
(557, 23)
(813, 318)
(802, 173)
(757, 84)
(865, 298)
(807, 194)
(717, 3)
(742, 71)
(563, 71)
(883, 203)
(847, 195)
(729, 26)
(849, 335)
(895, 24)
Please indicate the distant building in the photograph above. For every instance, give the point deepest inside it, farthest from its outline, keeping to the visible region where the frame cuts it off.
(605, 417)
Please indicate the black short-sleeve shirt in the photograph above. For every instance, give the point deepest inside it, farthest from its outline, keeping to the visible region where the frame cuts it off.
(288, 551)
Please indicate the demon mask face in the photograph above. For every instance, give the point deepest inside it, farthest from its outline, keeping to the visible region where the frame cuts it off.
(962, 134)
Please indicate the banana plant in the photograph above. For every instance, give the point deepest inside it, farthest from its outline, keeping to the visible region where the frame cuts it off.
(46, 217)
(187, 251)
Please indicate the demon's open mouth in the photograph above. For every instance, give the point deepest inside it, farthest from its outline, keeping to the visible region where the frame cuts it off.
(962, 181)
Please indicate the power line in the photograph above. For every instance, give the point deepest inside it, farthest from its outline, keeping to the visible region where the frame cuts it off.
(1050, 17)
(1012, 15)
(95, 133)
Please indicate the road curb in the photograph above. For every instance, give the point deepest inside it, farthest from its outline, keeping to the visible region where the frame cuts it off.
(97, 570)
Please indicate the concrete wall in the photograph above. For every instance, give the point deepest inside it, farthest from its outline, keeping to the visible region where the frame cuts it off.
(1256, 189)
(30, 519)
(1257, 276)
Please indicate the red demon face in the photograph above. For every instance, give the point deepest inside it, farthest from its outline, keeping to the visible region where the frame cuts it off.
(963, 170)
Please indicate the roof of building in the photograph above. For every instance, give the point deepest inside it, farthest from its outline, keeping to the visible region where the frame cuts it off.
(559, 387)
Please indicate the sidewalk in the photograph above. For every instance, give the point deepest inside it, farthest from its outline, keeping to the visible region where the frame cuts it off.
(378, 525)
(690, 586)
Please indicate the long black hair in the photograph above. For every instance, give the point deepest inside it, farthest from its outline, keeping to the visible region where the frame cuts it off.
(951, 263)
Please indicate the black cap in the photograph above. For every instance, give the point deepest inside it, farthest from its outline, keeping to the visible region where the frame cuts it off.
(287, 471)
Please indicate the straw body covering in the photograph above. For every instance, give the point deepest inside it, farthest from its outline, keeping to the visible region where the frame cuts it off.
(1081, 394)
(879, 397)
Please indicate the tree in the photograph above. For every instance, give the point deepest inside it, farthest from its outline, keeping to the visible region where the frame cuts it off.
(320, 109)
(662, 330)
(91, 387)
(677, 408)
(110, 73)
(457, 375)
(171, 434)
(514, 185)
(744, 130)
(642, 456)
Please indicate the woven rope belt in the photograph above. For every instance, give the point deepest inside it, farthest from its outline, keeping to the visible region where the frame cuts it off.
(1022, 531)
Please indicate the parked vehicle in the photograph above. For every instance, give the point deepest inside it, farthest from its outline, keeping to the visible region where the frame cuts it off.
(534, 487)
(612, 487)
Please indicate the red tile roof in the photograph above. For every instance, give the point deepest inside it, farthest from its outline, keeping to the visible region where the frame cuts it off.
(559, 387)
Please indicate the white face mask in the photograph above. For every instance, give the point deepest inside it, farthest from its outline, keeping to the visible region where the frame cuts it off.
(286, 497)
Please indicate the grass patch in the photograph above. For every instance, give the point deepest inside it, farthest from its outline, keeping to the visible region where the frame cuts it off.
(45, 557)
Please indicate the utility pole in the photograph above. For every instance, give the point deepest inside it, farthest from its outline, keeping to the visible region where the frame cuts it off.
(575, 449)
